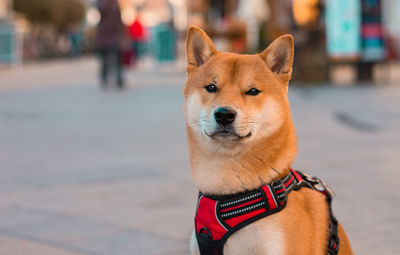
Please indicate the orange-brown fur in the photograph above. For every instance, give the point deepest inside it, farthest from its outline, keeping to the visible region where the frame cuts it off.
(227, 167)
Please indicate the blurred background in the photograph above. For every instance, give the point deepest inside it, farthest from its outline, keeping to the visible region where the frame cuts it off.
(93, 154)
(343, 42)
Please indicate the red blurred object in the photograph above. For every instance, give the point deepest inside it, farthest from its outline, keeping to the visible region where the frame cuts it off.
(137, 31)
(372, 30)
(127, 58)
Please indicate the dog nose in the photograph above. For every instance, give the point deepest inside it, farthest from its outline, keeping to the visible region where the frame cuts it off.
(225, 116)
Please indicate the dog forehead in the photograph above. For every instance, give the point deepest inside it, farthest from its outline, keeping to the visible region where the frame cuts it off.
(233, 68)
(239, 61)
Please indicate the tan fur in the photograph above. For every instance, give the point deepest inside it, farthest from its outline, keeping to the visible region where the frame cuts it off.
(227, 166)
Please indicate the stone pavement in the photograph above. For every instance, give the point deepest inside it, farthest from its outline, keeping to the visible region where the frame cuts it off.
(88, 172)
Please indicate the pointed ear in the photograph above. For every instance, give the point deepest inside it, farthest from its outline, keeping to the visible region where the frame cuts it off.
(198, 47)
(279, 57)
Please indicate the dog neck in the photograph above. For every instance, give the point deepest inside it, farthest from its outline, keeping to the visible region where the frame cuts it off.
(257, 164)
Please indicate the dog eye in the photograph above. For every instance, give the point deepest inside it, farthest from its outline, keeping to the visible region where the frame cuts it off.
(253, 92)
(211, 88)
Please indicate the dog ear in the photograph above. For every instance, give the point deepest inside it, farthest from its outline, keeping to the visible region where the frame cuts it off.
(198, 47)
(279, 57)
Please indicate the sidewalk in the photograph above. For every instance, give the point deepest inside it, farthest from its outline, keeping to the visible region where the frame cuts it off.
(88, 172)
(83, 72)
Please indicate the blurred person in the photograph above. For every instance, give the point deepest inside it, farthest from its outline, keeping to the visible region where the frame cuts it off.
(137, 36)
(109, 37)
(76, 41)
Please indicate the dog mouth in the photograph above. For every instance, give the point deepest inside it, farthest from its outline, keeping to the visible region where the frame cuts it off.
(227, 135)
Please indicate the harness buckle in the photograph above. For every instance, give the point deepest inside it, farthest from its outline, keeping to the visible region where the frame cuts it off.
(318, 184)
(279, 191)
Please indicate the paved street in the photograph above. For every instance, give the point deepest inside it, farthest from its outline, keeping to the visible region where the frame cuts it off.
(83, 171)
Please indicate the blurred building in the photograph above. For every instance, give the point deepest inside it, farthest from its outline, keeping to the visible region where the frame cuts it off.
(333, 38)
(221, 21)
(5, 9)
(45, 26)
(330, 35)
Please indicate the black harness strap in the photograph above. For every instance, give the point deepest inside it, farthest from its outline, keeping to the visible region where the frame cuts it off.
(218, 217)
(333, 238)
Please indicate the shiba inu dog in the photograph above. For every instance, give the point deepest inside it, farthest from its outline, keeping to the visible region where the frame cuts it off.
(241, 136)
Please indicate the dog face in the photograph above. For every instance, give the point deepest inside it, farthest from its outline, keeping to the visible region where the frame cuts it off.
(234, 99)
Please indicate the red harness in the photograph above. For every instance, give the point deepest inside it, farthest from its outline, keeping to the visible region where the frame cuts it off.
(218, 217)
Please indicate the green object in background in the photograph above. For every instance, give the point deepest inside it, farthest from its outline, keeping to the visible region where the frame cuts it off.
(164, 43)
(8, 49)
(343, 23)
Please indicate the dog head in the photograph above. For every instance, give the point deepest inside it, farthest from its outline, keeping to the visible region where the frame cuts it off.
(232, 100)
